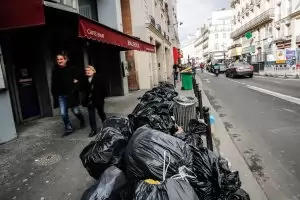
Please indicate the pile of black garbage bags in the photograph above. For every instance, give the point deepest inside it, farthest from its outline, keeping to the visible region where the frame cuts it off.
(143, 157)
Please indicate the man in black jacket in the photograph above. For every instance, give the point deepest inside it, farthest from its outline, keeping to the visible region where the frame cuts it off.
(65, 83)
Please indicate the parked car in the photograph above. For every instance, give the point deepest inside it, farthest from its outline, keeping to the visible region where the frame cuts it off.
(239, 69)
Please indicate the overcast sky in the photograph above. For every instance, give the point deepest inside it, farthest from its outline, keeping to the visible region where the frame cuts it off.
(193, 14)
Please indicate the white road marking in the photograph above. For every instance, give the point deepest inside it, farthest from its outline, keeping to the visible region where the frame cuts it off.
(236, 81)
(276, 94)
(289, 110)
(276, 82)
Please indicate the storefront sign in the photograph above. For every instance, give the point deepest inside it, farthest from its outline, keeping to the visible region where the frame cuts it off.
(95, 31)
(280, 56)
(249, 49)
(290, 54)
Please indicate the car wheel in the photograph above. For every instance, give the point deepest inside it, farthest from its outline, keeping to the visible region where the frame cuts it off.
(226, 74)
(251, 76)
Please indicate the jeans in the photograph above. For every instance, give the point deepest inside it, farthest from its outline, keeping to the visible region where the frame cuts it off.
(63, 106)
(92, 115)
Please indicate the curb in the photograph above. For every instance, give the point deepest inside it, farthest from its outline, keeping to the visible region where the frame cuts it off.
(228, 150)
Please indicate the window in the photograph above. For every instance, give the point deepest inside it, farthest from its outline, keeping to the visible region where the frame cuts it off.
(216, 46)
(216, 36)
(224, 35)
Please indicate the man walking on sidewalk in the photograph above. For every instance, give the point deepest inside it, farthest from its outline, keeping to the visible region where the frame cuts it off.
(64, 88)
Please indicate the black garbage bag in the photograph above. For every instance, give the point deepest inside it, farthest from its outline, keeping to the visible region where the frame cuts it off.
(121, 124)
(148, 151)
(197, 127)
(165, 91)
(111, 183)
(105, 151)
(214, 178)
(171, 189)
(240, 194)
(191, 139)
(156, 114)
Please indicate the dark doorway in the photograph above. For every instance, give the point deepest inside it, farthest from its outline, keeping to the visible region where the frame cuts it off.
(25, 59)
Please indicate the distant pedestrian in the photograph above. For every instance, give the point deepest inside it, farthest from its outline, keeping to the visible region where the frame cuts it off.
(65, 81)
(176, 71)
(95, 94)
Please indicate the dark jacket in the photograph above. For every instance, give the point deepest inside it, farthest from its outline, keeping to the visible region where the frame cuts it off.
(63, 84)
(94, 92)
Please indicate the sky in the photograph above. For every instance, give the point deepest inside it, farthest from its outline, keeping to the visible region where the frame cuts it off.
(193, 14)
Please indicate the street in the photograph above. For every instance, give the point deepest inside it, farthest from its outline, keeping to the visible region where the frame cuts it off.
(263, 122)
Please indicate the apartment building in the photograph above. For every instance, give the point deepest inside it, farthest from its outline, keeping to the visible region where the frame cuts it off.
(32, 32)
(255, 18)
(212, 40)
(220, 27)
(154, 21)
(274, 29)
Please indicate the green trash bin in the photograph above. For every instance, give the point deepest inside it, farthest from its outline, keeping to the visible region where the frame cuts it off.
(187, 80)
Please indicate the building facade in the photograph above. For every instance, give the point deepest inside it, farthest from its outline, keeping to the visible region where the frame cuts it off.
(210, 42)
(272, 29)
(32, 32)
(255, 18)
(154, 21)
(220, 27)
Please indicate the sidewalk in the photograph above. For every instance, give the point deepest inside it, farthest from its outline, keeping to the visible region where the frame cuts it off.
(41, 165)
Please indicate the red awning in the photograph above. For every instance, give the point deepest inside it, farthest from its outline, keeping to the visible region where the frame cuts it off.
(21, 13)
(95, 31)
(175, 55)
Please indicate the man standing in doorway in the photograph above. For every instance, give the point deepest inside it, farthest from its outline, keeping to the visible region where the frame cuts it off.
(65, 83)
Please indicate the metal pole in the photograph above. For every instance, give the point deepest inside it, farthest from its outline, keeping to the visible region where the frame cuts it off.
(200, 104)
(209, 138)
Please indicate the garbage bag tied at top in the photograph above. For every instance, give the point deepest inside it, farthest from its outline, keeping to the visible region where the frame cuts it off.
(107, 150)
(149, 149)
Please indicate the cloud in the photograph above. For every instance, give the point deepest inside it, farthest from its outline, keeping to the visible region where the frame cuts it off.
(194, 13)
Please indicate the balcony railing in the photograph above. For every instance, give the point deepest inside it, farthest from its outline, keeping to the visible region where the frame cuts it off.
(152, 20)
(259, 20)
(69, 3)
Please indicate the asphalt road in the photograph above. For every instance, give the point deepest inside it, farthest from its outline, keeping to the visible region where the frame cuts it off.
(262, 116)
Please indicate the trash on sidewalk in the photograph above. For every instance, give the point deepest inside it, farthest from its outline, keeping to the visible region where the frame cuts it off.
(106, 150)
(168, 190)
(157, 163)
(121, 124)
(156, 109)
(109, 187)
(149, 149)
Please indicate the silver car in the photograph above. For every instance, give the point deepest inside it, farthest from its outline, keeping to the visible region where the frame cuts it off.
(239, 69)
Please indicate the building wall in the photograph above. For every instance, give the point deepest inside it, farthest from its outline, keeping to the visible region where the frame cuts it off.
(7, 124)
(109, 13)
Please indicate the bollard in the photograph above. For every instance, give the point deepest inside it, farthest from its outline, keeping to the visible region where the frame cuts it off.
(200, 104)
(209, 138)
(196, 88)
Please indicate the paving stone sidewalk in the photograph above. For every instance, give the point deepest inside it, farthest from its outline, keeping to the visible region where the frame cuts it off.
(41, 165)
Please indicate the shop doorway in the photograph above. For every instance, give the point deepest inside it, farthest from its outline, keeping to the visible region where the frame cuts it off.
(24, 62)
